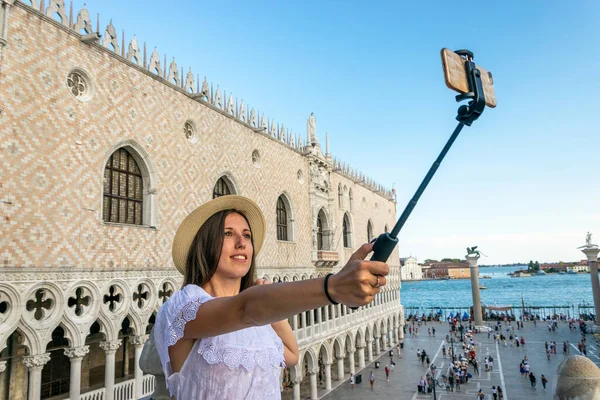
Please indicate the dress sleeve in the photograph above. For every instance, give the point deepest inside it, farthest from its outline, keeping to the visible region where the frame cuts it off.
(180, 309)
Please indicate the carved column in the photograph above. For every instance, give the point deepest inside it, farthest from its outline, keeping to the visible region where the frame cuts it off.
(340, 367)
(361, 356)
(75, 355)
(351, 361)
(390, 338)
(35, 364)
(138, 342)
(327, 376)
(109, 368)
(370, 349)
(474, 270)
(313, 385)
(591, 252)
(296, 385)
(377, 345)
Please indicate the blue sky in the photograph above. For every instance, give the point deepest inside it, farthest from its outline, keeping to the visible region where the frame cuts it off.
(521, 183)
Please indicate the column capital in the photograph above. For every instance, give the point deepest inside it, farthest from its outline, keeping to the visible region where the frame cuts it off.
(591, 252)
(351, 352)
(77, 352)
(111, 346)
(138, 340)
(369, 340)
(339, 357)
(296, 381)
(37, 361)
(361, 346)
(312, 372)
(2, 366)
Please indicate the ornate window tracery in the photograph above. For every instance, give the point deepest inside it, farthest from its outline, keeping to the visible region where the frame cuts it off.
(123, 189)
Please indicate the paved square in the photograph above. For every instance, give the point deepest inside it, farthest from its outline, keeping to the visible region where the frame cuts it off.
(408, 370)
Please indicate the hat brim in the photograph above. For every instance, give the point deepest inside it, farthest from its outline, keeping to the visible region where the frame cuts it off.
(193, 222)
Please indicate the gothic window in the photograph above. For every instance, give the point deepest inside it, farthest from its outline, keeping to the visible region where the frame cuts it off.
(350, 200)
(319, 233)
(346, 231)
(222, 188)
(369, 231)
(123, 186)
(282, 220)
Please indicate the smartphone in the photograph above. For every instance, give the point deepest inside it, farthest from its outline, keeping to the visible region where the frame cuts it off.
(456, 79)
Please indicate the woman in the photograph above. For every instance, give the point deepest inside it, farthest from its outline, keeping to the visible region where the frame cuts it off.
(224, 336)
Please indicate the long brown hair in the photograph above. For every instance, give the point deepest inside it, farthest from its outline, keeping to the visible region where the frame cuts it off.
(205, 252)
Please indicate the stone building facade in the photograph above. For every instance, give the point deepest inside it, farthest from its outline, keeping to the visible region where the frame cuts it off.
(411, 270)
(103, 151)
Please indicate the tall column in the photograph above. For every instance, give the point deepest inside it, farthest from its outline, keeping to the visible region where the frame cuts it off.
(370, 349)
(313, 385)
(361, 356)
(296, 386)
(351, 362)
(35, 364)
(474, 269)
(327, 376)
(591, 251)
(377, 345)
(109, 367)
(75, 355)
(340, 365)
(390, 338)
(295, 322)
(138, 342)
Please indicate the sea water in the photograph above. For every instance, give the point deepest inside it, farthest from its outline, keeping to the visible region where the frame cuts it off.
(569, 294)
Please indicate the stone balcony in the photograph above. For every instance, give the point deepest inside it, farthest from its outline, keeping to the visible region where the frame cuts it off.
(326, 258)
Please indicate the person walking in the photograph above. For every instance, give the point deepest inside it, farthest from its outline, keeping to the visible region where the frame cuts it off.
(387, 373)
(532, 380)
(500, 393)
(480, 395)
(372, 380)
(544, 381)
(444, 351)
(352, 381)
(494, 393)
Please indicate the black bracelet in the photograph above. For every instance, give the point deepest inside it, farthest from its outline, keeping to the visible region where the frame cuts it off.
(327, 291)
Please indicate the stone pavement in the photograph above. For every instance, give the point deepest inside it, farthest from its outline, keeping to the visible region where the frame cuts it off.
(408, 370)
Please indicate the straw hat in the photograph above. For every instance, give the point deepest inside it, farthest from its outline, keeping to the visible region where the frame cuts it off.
(191, 224)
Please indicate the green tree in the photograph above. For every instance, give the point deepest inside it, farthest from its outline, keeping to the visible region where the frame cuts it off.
(536, 266)
(530, 266)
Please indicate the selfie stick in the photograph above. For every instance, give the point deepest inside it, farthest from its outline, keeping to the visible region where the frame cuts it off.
(386, 242)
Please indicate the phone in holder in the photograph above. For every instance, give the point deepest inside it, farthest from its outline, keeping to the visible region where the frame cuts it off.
(456, 78)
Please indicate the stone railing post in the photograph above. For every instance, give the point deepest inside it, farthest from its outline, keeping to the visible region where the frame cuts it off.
(110, 349)
(35, 364)
(75, 355)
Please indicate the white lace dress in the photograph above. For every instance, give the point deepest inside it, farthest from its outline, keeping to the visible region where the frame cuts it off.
(239, 365)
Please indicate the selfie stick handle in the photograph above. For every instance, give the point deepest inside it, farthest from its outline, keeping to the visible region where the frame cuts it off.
(386, 242)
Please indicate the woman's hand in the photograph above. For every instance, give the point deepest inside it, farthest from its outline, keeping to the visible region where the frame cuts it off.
(360, 280)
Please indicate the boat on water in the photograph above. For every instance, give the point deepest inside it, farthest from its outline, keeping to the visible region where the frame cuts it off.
(486, 277)
(572, 272)
(482, 287)
(561, 272)
(520, 274)
(540, 272)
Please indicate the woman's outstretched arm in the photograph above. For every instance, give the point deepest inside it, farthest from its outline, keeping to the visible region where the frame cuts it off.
(354, 285)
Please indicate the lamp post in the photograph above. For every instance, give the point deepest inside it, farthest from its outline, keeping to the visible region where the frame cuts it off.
(432, 367)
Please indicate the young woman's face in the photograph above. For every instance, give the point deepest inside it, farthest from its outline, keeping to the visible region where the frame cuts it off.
(236, 255)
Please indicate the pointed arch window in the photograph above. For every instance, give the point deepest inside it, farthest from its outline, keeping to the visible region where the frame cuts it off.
(221, 188)
(346, 231)
(123, 189)
(369, 231)
(319, 233)
(282, 220)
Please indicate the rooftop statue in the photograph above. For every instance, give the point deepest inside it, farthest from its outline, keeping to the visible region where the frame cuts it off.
(588, 239)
